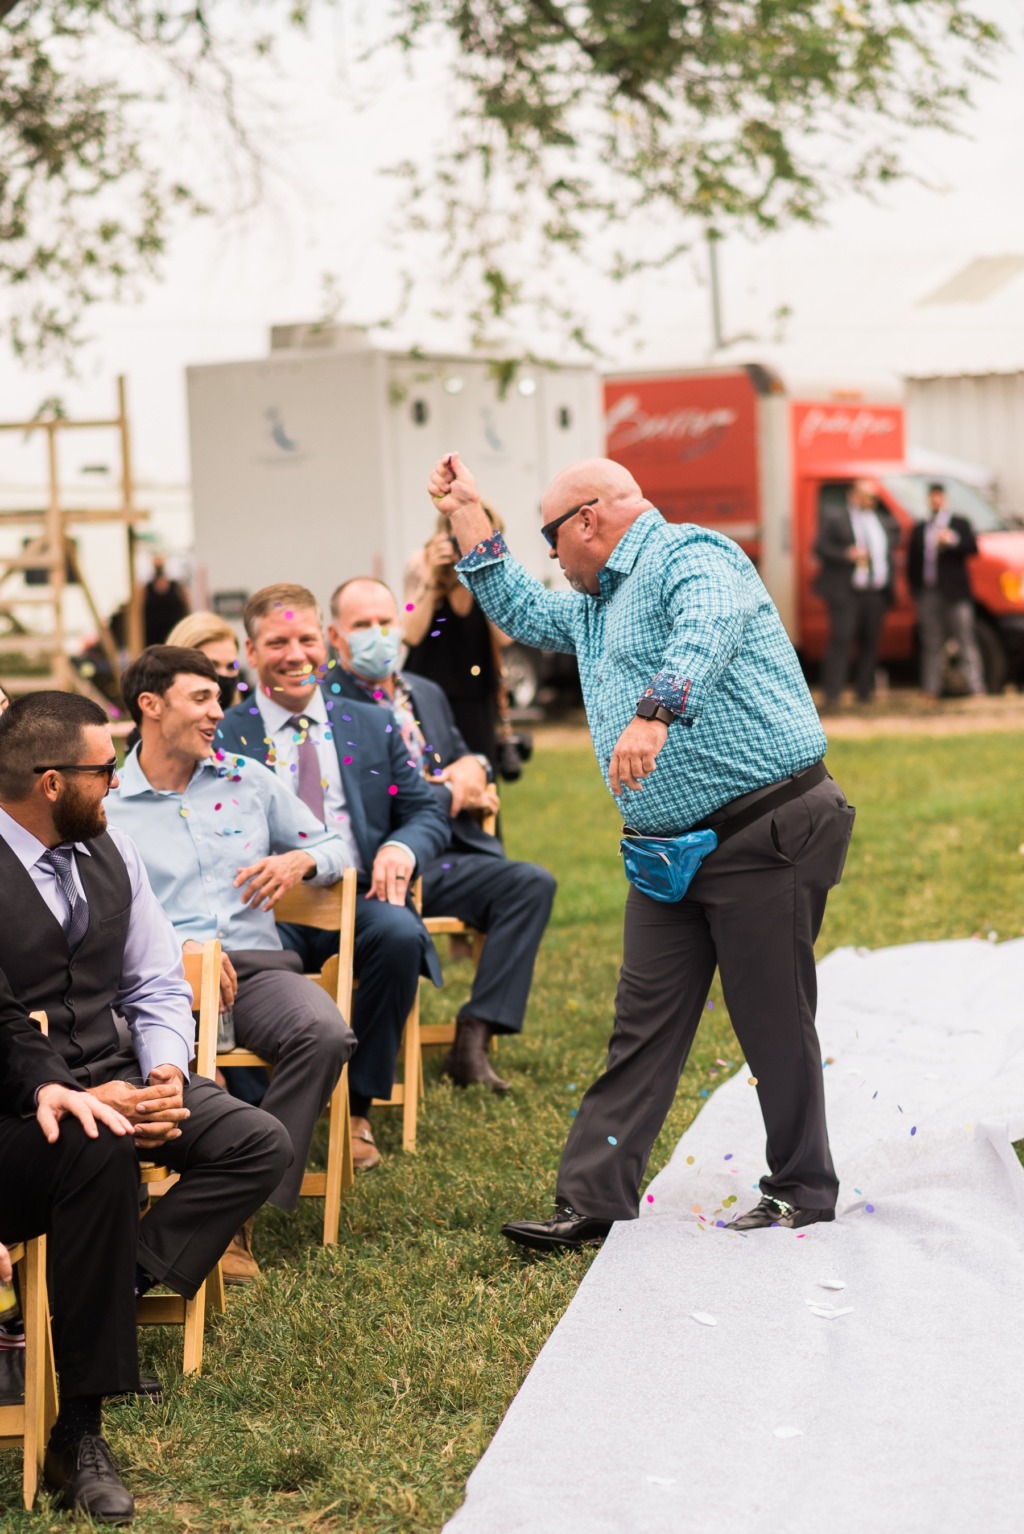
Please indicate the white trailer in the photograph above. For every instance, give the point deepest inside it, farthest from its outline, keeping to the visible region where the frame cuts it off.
(311, 465)
(978, 417)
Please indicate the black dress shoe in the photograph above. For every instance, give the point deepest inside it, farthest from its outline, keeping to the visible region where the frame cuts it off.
(567, 1229)
(150, 1389)
(775, 1211)
(83, 1476)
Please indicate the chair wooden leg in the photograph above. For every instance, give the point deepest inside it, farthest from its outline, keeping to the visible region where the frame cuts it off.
(339, 1129)
(348, 1167)
(215, 1296)
(195, 1321)
(38, 1363)
(412, 1076)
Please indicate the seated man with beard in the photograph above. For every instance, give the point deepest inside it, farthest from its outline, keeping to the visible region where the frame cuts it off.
(82, 937)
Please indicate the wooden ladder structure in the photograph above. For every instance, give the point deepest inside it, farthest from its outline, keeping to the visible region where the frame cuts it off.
(51, 548)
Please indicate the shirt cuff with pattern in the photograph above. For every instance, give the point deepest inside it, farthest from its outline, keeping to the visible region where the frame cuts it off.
(489, 552)
(673, 693)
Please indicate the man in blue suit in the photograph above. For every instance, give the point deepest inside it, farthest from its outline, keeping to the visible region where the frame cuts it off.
(473, 879)
(353, 772)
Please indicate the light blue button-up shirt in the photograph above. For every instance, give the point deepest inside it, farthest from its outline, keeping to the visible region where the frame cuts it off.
(683, 616)
(233, 812)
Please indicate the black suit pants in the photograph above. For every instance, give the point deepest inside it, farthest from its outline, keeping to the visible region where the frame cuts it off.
(855, 622)
(83, 1196)
(755, 909)
(509, 901)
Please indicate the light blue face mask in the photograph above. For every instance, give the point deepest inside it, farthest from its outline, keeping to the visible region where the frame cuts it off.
(374, 651)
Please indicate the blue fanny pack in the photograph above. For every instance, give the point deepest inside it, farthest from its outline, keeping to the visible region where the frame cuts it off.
(663, 866)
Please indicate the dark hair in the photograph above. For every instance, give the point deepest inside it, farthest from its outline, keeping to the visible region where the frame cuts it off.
(41, 729)
(936, 487)
(155, 670)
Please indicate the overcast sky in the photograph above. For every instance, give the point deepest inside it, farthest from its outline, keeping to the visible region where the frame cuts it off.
(854, 285)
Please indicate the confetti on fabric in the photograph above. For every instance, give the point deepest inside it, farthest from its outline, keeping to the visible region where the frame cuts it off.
(869, 1208)
(612, 1140)
(393, 789)
(751, 1081)
(703, 1317)
(832, 1283)
(689, 1161)
(650, 1198)
(789, 1432)
(827, 1313)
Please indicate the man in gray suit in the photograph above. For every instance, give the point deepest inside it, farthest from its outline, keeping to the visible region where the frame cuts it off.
(856, 545)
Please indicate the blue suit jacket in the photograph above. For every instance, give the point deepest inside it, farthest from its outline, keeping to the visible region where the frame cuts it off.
(371, 760)
(444, 739)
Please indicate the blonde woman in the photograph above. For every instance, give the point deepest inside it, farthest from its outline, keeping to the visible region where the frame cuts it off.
(217, 640)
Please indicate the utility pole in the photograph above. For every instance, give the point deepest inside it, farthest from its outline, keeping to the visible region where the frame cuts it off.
(717, 329)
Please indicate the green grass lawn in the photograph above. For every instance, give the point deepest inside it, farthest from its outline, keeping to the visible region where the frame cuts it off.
(355, 1388)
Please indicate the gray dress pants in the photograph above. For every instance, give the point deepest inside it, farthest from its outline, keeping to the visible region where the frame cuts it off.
(291, 1021)
(754, 909)
(937, 618)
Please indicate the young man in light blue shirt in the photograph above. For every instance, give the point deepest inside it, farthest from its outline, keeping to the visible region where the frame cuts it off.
(222, 841)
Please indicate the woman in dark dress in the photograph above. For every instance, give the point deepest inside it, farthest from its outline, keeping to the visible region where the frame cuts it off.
(452, 643)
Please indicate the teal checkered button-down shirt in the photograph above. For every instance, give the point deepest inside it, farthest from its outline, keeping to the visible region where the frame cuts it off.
(682, 615)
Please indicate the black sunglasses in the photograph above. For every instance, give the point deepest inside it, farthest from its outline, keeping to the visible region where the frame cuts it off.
(550, 529)
(108, 767)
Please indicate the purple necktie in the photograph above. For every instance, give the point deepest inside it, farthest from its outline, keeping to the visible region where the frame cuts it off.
(59, 859)
(311, 790)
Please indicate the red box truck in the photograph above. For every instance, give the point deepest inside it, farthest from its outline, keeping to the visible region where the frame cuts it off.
(734, 449)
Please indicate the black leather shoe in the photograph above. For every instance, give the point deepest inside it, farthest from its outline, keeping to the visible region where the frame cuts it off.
(150, 1389)
(83, 1476)
(774, 1211)
(567, 1229)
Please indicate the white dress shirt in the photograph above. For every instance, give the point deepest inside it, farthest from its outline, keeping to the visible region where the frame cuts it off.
(152, 995)
(869, 535)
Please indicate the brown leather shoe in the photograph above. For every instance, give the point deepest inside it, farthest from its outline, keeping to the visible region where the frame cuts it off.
(238, 1265)
(466, 1062)
(365, 1155)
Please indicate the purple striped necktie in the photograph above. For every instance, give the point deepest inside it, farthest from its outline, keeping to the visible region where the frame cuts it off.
(311, 790)
(59, 859)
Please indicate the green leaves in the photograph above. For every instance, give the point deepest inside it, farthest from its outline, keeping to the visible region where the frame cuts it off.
(643, 122)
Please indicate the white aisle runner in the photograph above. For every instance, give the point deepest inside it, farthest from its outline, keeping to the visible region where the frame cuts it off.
(903, 1415)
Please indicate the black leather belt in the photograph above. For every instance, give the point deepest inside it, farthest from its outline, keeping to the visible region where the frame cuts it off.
(742, 812)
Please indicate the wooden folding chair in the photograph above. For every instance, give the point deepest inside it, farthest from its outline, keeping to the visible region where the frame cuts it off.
(451, 926)
(202, 971)
(408, 1092)
(331, 908)
(29, 1424)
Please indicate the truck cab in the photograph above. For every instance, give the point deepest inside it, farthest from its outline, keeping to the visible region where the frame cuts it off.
(755, 456)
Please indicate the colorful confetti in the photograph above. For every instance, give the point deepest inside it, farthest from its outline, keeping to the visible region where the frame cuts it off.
(612, 1140)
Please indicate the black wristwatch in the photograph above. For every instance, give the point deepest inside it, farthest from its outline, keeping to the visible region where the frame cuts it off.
(650, 708)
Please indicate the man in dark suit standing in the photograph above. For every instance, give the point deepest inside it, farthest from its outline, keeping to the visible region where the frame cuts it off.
(353, 772)
(937, 574)
(66, 1178)
(856, 545)
(473, 879)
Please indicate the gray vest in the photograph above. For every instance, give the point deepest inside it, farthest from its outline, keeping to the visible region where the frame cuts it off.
(76, 991)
